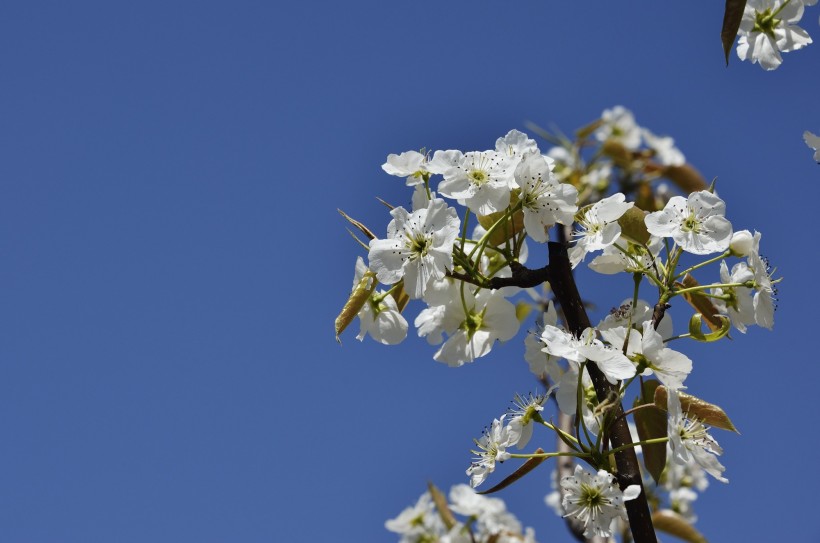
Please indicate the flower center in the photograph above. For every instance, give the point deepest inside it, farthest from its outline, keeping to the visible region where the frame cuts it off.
(766, 22)
(591, 497)
(419, 246)
(478, 177)
(691, 223)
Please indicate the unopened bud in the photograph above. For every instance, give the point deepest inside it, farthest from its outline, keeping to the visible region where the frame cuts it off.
(742, 243)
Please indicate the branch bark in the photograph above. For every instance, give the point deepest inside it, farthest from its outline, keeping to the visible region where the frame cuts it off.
(629, 472)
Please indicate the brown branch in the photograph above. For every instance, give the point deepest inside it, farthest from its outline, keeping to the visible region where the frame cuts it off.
(629, 471)
(522, 277)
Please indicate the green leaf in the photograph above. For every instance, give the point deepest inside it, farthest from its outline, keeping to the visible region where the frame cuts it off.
(701, 303)
(361, 293)
(732, 16)
(525, 468)
(674, 524)
(695, 408)
(651, 424)
(443, 508)
(696, 332)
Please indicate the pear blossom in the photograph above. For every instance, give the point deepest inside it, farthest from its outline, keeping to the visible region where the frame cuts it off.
(619, 125)
(814, 143)
(419, 247)
(625, 314)
(526, 410)
(567, 398)
(492, 517)
(479, 180)
(541, 362)
(765, 289)
(612, 363)
(417, 521)
(665, 151)
(742, 243)
(768, 28)
(697, 224)
(492, 448)
(599, 226)
(473, 329)
(738, 305)
(544, 199)
(516, 144)
(689, 440)
(595, 500)
(637, 258)
(379, 316)
(646, 348)
(410, 164)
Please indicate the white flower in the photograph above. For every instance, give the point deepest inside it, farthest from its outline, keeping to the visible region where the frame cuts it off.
(624, 314)
(544, 199)
(742, 243)
(516, 144)
(482, 180)
(764, 287)
(636, 259)
(697, 224)
(567, 397)
(814, 143)
(595, 500)
(473, 329)
(614, 365)
(418, 247)
(410, 164)
(417, 521)
(664, 147)
(599, 226)
(492, 517)
(767, 28)
(492, 447)
(738, 304)
(619, 125)
(379, 316)
(690, 440)
(541, 362)
(647, 350)
(526, 410)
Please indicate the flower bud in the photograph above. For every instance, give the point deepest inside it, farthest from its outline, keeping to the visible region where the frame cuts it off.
(742, 243)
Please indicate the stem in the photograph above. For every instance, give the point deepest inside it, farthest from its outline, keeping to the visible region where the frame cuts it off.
(641, 443)
(629, 471)
(704, 263)
(704, 287)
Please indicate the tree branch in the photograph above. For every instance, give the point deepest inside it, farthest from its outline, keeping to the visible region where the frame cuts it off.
(629, 472)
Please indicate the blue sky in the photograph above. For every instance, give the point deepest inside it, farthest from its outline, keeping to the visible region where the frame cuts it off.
(173, 259)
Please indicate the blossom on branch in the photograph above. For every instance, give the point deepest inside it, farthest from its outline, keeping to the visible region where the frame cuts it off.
(595, 500)
(419, 247)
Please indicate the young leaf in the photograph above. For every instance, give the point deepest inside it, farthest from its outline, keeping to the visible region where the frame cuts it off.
(732, 16)
(364, 230)
(525, 468)
(633, 225)
(651, 424)
(674, 524)
(695, 408)
(355, 302)
(696, 333)
(441, 505)
(701, 303)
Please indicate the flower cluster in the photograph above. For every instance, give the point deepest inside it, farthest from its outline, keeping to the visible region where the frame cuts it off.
(486, 520)
(606, 203)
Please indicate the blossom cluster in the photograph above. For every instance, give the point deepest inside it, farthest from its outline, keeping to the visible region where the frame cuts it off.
(486, 520)
(465, 276)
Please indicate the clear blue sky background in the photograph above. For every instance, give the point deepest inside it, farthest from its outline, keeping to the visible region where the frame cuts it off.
(172, 259)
